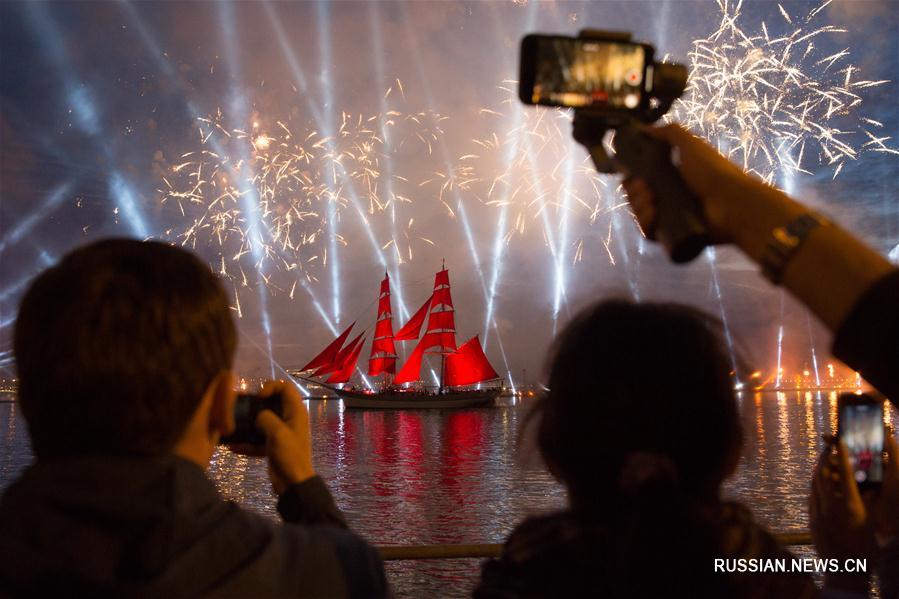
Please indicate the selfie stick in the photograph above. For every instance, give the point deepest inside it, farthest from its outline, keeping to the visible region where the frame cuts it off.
(679, 225)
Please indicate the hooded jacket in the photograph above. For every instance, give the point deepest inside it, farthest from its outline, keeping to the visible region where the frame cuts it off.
(116, 527)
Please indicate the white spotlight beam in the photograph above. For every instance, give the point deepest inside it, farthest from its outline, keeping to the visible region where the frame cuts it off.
(444, 152)
(166, 69)
(248, 196)
(378, 44)
(327, 125)
(80, 97)
(25, 225)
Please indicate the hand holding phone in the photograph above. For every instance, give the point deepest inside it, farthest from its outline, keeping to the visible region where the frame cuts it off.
(838, 517)
(845, 521)
(860, 428)
(610, 81)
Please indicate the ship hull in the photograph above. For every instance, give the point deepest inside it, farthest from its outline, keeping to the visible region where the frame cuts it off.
(387, 400)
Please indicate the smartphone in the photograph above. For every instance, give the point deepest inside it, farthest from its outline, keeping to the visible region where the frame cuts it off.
(574, 72)
(860, 427)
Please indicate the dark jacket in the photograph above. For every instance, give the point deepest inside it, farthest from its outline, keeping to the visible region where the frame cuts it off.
(158, 528)
(562, 555)
(868, 339)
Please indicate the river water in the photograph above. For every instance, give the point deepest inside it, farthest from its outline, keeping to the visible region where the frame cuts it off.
(421, 477)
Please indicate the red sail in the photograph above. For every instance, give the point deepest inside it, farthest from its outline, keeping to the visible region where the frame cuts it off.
(442, 278)
(412, 368)
(382, 358)
(442, 320)
(442, 289)
(341, 358)
(383, 328)
(384, 299)
(384, 306)
(378, 366)
(441, 331)
(385, 345)
(468, 365)
(329, 353)
(442, 296)
(346, 371)
(412, 329)
(445, 340)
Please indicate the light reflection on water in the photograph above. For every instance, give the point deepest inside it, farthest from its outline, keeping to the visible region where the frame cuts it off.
(419, 477)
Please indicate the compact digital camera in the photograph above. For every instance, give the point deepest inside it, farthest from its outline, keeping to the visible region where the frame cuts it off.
(246, 409)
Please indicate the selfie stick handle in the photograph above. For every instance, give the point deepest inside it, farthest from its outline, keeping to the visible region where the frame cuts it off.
(680, 226)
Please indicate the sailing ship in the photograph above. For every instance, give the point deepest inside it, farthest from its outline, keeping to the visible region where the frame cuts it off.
(466, 376)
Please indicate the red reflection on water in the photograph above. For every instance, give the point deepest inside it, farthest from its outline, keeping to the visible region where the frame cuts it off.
(392, 448)
(384, 453)
(398, 449)
(463, 433)
(410, 436)
(461, 462)
(349, 434)
(412, 447)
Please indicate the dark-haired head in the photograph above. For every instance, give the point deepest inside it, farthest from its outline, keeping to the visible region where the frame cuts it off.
(115, 347)
(638, 387)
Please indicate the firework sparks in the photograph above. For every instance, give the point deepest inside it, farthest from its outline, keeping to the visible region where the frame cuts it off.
(287, 169)
(774, 102)
(535, 171)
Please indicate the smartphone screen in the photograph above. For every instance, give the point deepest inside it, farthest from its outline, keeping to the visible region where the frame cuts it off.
(577, 72)
(861, 429)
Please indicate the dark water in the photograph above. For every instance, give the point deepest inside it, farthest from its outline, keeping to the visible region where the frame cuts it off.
(420, 477)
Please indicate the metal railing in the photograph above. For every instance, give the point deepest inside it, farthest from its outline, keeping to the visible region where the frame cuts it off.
(485, 550)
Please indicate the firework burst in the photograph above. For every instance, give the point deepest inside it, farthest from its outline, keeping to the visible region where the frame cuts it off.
(775, 102)
(293, 173)
(527, 164)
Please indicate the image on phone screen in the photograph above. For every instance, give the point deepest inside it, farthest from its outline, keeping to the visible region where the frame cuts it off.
(861, 429)
(576, 72)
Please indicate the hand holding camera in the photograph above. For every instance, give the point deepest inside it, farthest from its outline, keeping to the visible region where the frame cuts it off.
(277, 421)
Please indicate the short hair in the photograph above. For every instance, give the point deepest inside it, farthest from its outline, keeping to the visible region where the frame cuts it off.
(627, 377)
(115, 347)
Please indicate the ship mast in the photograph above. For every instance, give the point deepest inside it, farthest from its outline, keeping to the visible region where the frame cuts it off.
(440, 332)
(459, 365)
(442, 349)
(382, 359)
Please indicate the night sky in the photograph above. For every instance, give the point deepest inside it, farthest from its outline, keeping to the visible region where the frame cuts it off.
(99, 103)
